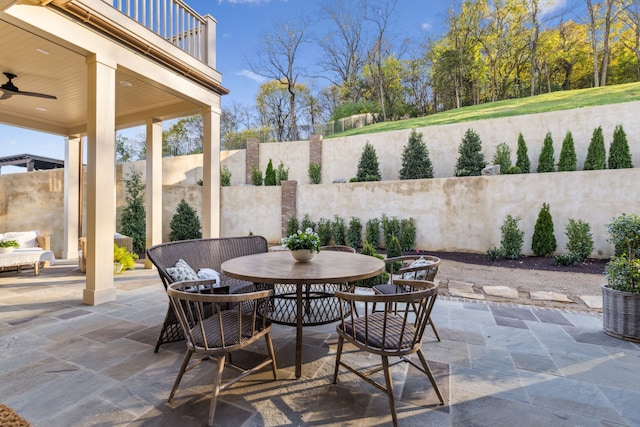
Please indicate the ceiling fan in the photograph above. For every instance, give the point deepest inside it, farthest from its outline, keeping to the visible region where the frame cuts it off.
(10, 89)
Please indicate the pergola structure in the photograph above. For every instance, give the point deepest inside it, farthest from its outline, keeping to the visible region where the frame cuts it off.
(110, 66)
(31, 161)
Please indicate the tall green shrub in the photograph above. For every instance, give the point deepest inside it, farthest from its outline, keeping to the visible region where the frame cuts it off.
(470, 160)
(546, 160)
(185, 223)
(407, 234)
(292, 226)
(324, 231)
(416, 163)
(568, 160)
(503, 157)
(133, 219)
(369, 249)
(596, 152)
(619, 155)
(390, 228)
(368, 166)
(372, 232)
(579, 239)
(307, 223)
(256, 175)
(315, 173)
(512, 238)
(393, 250)
(270, 175)
(225, 177)
(544, 241)
(354, 232)
(338, 230)
(282, 173)
(522, 156)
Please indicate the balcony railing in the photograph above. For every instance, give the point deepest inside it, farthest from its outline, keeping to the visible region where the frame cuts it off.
(174, 21)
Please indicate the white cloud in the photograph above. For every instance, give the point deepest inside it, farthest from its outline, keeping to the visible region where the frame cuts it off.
(425, 26)
(549, 6)
(251, 75)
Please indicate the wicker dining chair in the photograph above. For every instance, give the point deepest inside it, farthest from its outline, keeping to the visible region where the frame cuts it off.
(409, 267)
(389, 333)
(215, 325)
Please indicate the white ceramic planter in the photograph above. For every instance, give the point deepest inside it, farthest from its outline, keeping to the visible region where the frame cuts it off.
(303, 255)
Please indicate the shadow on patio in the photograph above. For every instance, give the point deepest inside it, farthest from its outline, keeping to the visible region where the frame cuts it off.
(63, 363)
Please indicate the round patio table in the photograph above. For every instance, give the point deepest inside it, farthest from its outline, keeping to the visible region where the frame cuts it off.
(311, 281)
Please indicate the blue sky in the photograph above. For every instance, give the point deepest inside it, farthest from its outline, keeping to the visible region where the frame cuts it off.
(241, 26)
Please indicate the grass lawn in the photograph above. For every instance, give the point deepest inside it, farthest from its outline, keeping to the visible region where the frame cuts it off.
(555, 101)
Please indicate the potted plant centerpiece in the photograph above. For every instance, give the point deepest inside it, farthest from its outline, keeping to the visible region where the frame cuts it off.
(303, 244)
(7, 246)
(621, 294)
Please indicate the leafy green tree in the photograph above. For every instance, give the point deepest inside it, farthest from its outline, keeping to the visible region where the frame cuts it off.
(185, 223)
(522, 160)
(596, 153)
(315, 173)
(471, 160)
(270, 175)
(546, 162)
(579, 239)
(416, 163)
(225, 177)
(324, 231)
(133, 219)
(503, 157)
(512, 238)
(393, 250)
(338, 230)
(544, 241)
(282, 173)
(619, 155)
(372, 232)
(568, 160)
(354, 232)
(408, 234)
(368, 167)
(256, 176)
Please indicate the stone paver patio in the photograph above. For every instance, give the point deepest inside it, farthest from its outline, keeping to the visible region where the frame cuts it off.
(66, 364)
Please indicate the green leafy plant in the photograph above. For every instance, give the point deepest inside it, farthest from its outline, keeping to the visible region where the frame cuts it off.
(579, 239)
(315, 173)
(619, 155)
(416, 163)
(503, 157)
(495, 254)
(544, 241)
(307, 239)
(307, 223)
(393, 250)
(124, 259)
(408, 234)
(596, 152)
(256, 176)
(368, 166)
(471, 160)
(568, 160)
(368, 249)
(270, 175)
(623, 271)
(282, 173)
(546, 159)
(185, 223)
(133, 222)
(522, 156)
(225, 177)
(513, 170)
(390, 228)
(324, 231)
(292, 226)
(624, 233)
(567, 259)
(354, 232)
(372, 232)
(338, 230)
(9, 244)
(512, 238)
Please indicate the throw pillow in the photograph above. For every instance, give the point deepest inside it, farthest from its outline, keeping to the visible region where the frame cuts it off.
(420, 262)
(182, 271)
(208, 274)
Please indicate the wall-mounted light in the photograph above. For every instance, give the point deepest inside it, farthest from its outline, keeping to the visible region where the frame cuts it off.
(41, 109)
(126, 83)
(42, 51)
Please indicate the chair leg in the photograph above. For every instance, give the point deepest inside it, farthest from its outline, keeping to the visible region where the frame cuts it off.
(217, 379)
(435, 331)
(387, 379)
(338, 355)
(427, 370)
(272, 354)
(183, 368)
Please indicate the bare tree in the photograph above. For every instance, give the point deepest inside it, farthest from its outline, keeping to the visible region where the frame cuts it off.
(630, 16)
(276, 60)
(379, 13)
(344, 48)
(601, 15)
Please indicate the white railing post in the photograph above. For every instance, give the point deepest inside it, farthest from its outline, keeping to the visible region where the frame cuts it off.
(208, 44)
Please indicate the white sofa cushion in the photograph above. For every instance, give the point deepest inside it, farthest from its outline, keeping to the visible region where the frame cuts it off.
(26, 239)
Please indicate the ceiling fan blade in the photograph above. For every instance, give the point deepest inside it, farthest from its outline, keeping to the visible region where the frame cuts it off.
(38, 95)
(5, 94)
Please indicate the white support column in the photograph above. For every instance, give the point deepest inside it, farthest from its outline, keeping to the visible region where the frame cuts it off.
(101, 181)
(211, 173)
(72, 197)
(153, 186)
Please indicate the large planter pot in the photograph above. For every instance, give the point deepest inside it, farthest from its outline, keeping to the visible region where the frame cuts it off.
(303, 255)
(621, 314)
